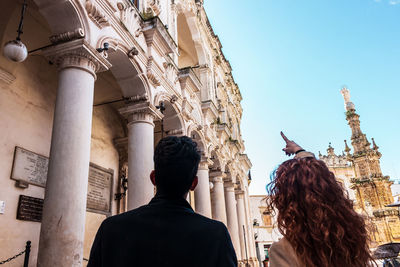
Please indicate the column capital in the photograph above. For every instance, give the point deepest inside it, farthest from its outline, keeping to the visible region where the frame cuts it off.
(77, 54)
(239, 193)
(218, 173)
(217, 179)
(229, 186)
(204, 163)
(143, 112)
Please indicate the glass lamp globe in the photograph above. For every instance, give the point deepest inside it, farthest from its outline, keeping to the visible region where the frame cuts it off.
(15, 50)
(211, 185)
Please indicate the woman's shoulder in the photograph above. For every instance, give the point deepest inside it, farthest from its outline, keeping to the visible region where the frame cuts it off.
(282, 254)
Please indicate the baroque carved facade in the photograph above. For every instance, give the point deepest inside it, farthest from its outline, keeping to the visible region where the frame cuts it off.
(361, 175)
(162, 73)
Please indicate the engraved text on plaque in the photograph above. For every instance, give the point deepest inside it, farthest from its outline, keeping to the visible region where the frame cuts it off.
(30, 208)
(99, 189)
(29, 167)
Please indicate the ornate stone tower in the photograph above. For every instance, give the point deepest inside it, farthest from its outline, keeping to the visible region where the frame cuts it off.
(371, 187)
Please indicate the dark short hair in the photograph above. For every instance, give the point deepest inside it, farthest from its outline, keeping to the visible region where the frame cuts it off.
(176, 161)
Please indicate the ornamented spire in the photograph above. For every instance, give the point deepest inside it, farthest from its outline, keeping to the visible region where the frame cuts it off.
(374, 146)
(330, 150)
(358, 139)
(347, 148)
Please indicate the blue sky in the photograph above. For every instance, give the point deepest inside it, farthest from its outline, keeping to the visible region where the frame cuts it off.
(291, 58)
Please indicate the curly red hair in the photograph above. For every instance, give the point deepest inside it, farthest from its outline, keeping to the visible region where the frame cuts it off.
(317, 217)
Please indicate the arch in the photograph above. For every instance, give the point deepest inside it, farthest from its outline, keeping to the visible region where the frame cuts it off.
(217, 163)
(126, 70)
(190, 43)
(64, 16)
(230, 176)
(198, 136)
(173, 122)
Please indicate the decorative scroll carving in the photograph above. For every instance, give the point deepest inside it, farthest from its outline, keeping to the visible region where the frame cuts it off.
(174, 98)
(133, 52)
(130, 18)
(155, 6)
(6, 77)
(138, 98)
(175, 132)
(150, 73)
(67, 36)
(96, 14)
(187, 109)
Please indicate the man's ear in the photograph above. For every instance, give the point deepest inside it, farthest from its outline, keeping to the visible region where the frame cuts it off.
(194, 183)
(153, 177)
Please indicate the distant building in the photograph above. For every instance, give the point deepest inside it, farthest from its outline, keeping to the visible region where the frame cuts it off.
(265, 228)
(361, 175)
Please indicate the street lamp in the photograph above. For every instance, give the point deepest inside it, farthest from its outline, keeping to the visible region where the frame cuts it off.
(15, 50)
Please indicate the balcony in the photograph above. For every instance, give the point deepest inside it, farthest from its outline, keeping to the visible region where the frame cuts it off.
(189, 80)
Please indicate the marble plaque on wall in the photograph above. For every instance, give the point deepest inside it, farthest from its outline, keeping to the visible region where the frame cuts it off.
(30, 208)
(99, 189)
(29, 167)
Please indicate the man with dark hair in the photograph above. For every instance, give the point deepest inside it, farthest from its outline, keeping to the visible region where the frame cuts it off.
(166, 232)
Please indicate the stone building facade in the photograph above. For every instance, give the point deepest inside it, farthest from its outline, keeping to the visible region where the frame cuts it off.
(361, 175)
(84, 109)
(265, 227)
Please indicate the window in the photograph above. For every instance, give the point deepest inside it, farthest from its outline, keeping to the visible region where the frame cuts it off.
(267, 220)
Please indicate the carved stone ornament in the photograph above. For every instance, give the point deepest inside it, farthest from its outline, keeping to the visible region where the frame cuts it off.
(174, 98)
(142, 112)
(187, 109)
(150, 73)
(175, 132)
(155, 6)
(77, 54)
(96, 14)
(138, 98)
(130, 17)
(67, 36)
(133, 52)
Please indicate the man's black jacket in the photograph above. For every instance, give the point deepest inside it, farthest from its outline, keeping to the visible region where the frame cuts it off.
(164, 233)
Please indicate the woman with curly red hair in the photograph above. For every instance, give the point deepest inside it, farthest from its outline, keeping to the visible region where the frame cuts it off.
(316, 218)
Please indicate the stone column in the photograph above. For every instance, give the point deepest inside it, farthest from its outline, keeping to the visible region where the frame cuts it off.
(217, 197)
(250, 230)
(242, 225)
(231, 212)
(64, 209)
(140, 152)
(202, 192)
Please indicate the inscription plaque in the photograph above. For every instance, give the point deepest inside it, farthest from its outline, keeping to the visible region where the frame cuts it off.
(29, 167)
(30, 209)
(99, 189)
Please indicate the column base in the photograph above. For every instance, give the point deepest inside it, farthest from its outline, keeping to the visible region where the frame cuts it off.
(255, 261)
(246, 263)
